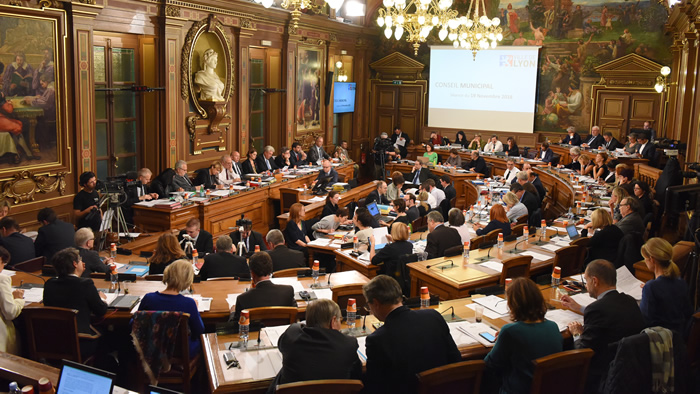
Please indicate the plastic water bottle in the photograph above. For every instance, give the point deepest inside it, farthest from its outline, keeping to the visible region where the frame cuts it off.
(355, 244)
(351, 313)
(543, 228)
(578, 207)
(14, 388)
(526, 234)
(500, 240)
(465, 253)
(556, 276)
(570, 214)
(244, 326)
(424, 297)
(113, 250)
(314, 273)
(195, 257)
(257, 248)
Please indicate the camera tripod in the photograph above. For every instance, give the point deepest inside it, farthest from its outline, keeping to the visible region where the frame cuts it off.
(114, 212)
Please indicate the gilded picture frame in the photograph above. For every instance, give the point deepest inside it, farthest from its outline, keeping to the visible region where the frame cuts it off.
(309, 92)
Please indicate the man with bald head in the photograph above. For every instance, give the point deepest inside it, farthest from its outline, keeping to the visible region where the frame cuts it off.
(327, 173)
(227, 175)
(594, 140)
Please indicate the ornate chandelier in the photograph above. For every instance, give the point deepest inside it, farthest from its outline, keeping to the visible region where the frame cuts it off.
(475, 31)
(297, 5)
(417, 19)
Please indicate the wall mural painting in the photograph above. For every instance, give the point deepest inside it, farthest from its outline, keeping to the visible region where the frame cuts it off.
(576, 36)
(309, 84)
(28, 134)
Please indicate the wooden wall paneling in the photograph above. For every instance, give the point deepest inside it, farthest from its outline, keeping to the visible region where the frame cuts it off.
(291, 49)
(176, 108)
(274, 65)
(361, 76)
(245, 40)
(613, 113)
(672, 109)
(686, 121)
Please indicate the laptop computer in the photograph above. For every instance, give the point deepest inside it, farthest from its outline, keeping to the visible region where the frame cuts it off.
(161, 390)
(124, 302)
(79, 378)
(374, 211)
(573, 232)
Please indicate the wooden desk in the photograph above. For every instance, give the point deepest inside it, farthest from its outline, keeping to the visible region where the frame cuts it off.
(565, 157)
(459, 179)
(25, 371)
(349, 263)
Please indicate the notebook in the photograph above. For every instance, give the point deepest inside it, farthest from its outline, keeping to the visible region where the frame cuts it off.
(79, 378)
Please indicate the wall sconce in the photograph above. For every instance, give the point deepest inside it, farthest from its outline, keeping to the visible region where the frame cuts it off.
(661, 83)
(342, 77)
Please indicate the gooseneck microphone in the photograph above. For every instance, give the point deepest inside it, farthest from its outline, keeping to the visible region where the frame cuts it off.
(329, 279)
(555, 229)
(450, 308)
(487, 257)
(452, 264)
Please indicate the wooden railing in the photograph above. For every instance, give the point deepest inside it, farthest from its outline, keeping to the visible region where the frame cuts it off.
(647, 174)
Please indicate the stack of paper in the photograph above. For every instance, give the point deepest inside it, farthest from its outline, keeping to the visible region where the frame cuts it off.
(496, 304)
(536, 256)
(563, 317)
(231, 300)
(203, 303)
(460, 337)
(320, 242)
(474, 329)
(487, 312)
(270, 336)
(583, 299)
(35, 294)
(8, 273)
(294, 282)
(494, 265)
(628, 284)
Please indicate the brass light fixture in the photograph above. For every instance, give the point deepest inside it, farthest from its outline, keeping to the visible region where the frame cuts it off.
(661, 82)
(475, 31)
(416, 18)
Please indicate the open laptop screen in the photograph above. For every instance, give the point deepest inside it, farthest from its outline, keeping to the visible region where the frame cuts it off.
(78, 379)
(373, 208)
(572, 231)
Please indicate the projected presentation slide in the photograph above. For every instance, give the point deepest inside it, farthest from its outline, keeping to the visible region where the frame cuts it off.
(495, 92)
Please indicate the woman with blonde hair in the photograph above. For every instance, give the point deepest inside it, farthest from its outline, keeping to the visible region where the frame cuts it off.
(167, 251)
(618, 194)
(388, 257)
(586, 165)
(515, 208)
(423, 206)
(605, 241)
(665, 299)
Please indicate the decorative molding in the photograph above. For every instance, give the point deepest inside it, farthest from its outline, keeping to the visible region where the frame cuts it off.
(333, 37)
(306, 140)
(191, 123)
(15, 2)
(50, 4)
(398, 66)
(90, 2)
(247, 23)
(292, 30)
(172, 11)
(26, 185)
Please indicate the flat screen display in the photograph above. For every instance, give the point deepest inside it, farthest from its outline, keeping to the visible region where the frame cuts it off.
(343, 97)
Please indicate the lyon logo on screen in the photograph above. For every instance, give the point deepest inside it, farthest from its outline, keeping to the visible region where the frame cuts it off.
(517, 61)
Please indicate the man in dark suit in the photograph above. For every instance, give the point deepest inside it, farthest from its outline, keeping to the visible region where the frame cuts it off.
(610, 143)
(318, 350)
(264, 293)
(316, 153)
(201, 239)
(631, 218)
(477, 163)
(572, 137)
(537, 183)
(440, 238)
(250, 239)
(378, 195)
(20, 246)
(137, 192)
(447, 187)
(327, 173)
(545, 154)
(647, 150)
(54, 234)
(224, 263)
(282, 257)
(594, 140)
(297, 156)
(402, 347)
(400, 141)
(527, 198)
(418, 175)
(265, 162)
(411, 209)
(208, 178)
(649, 131)
(85, 241)
(610, 318)
(181, 181)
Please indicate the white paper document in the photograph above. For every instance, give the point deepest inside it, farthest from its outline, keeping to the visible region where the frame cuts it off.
(496, 304)
(35, 294)
(219, 193)
(231, 300)
(362, 349)
(294, 282)
(494, 265)
(563, 317)
(203, 303)
(255, 365)
(583, 299)
(320, 242)
(536, 256)
(380, 235)
(487, 312)
(324, 294)
(460, 337)
(553, 247)
(474, 329)
(628, 284)
(8, 272)
(271, 335)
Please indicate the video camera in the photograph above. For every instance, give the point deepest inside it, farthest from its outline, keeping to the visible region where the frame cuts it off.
(382, 145)
(243, 222)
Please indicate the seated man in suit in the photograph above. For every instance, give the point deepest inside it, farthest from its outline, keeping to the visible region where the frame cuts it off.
(477, 163)
(545, 154)
(224, 263)
(316, 153)
(447, 187)
(610, 318)
(409, 342)
(537, 183)
(525, 197)
(632, 220)
(54, 234)
(181, 182)
(327, 173)
(85, 241)
(201, 239)
(137, 192)
(610, 142)
(230, 171)
(594, 140)
(298, 156)
(411, 209)
(511, 171)
(378, 195)
(265, 162)
(208, 178)
(20, 246)
(649, 131)
(571, 138)
(418, 174)
(282, 257)
(250, 239)
(318, 350)
(264, 293)
(440, 238)
(574, 152)
(647, 149)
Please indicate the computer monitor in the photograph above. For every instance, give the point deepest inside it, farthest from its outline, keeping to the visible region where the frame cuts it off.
(79, 378)
(373, 209)
(572, 231)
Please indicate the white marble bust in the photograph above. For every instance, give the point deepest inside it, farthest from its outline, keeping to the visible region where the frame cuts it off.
(211, 88)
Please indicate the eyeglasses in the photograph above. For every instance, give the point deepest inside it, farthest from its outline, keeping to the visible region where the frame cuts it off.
(624, 205)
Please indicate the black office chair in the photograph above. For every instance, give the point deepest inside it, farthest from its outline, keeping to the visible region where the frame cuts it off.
(628, 252)
(401, 272)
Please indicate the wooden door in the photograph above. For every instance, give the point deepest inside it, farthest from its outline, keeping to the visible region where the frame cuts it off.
(386, 99)
(618, 112)
(614, 109)
(394, 105)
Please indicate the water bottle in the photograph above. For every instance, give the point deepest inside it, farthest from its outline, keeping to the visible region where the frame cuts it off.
(257, 248)
(543, 228)
(556, 276)
(113, 250)
(355, 244)
(351, 312)
(570, 214)
(314, 273)
(578, 207)
(500, 240)
(465, 253)
(195, 257)
(14, 388)
(424, 297)
(526, 234)
(114, 278)
(244, 326)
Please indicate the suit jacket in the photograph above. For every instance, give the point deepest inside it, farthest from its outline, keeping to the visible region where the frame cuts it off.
(423, 175)
(182, 182)
(75, 293)
(537, 183)
(315, 153)
(612, 145)
(648, 152)
(295, 159)
(478, 165)
(606, 321)
(205, 179)
(204, 244)
(530, 201)
(223, 264)
(280, 163)
(133, 193)
(596, 143)
(92, 262)
(402, 149)
(284, 258)
(575, 140)
(333, 176)
(548, 156)
(20, 246)
(249, 168)
(375, 197)
(450, 192)
(312, 353)
(395, 356)
(413, 213)
(440, 239)
(260, 163)
(631, 223)
(255, 238)
(54, 237)
(265, 293)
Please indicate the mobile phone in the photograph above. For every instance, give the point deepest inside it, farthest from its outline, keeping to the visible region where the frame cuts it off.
(487, 337)
(572, 289)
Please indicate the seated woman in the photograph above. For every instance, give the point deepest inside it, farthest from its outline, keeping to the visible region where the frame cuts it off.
(604, 243)
(632, 145)
(71, 291)
(461, 139)
(454, 160)
(401, 216)
(85, 240)
(423, 206)
(282, 160)
(455, 219)
(363, 221)
(393, 191)
(515, 208)
(643, 194)
(167, 251)
(499, 221)
(610, 178)
(665, 299)
(331, 204)
(600, 169)
(11, 304)
(430, 154)
(586, 165)
(296, 230)
(476, 143)
(248, 166)
(435, 138)
(388, 257)
(531, 336)
(330, 223)
(177, 277)
(618, 194)
(512, 147)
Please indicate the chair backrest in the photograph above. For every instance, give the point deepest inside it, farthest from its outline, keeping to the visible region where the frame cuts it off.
(535, 219)
(48, 270)
(454, 251)
(402, 273)
(628, 252)
(289, 273)
(445, 207)
(492, 236)
(155, 277)
(98, 275)
(288, 197)
(44, 325)
(475, 242)
(453, 201)
(522, 219)
(694, 341)
(681, 252)
(565, 369)
(515, 268)
(418, 223)
(274, 315)
(361, 203)
(336, 386)
(518, 230)
(341, 294)
(31, 265)
(458, 378)
(583, 241)
(570, 260)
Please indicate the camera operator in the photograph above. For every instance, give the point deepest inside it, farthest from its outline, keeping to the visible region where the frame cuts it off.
(249, 237)
(383, 151)
(85, 203)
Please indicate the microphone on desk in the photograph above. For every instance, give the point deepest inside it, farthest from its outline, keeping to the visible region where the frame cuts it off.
(329, 279)
(487, 257)
(34, 275)
(515, 247)
(452, 264)
(450, 308)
